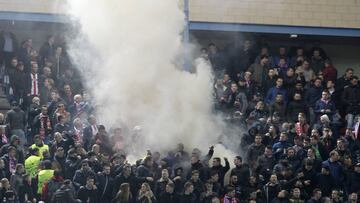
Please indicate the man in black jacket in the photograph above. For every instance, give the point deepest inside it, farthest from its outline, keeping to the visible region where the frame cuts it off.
(188, 196)
(351, 100)
(10, 161)
(83, 174)
(66, 193)
(89, 192)
(220, 169)
(313, 95)
(354, 180)
(105, 184)
(127, 177)
(325, 181)
(72, 163)
(16, 120)
(316, 198)
(14, 142)
(196, 165)
(143, 171)
(241, 170)
(169, 195)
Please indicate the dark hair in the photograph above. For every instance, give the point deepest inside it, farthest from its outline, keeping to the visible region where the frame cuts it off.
(60, 117)
(33, 151)
(90, 154)
(101, 127)
(213, 172)
(47, 164)
(11, 148)
(188, 184)
(305, 60)
(67, 182)
(298, 138)
(316, 190)
(194, 172)
(171, 184)
(239, 157)
(106, 165)
(264, 56)
(326, 91)
(57, 173)
(354, 77)
(217, 159)
(72, 151)
(229, 189)
(90, 177)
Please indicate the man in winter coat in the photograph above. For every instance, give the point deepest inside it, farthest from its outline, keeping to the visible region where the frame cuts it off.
(336, 169)
(66, 193)
(16, 120)
(354, 180)
(82, 174)
(255, 150)
(105, 184)
(220, 169)
(241, 170)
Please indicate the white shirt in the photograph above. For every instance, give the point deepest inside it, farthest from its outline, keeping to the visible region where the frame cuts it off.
(34, 84)
(94, 129)
(8, 45)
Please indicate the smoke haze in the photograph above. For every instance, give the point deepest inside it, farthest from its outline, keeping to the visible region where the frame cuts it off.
(130, 53)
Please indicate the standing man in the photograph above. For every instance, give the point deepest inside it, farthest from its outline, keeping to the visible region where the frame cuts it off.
(33, 82)
(105, 184)
(16, 120)
(90, 132)
(220, 169)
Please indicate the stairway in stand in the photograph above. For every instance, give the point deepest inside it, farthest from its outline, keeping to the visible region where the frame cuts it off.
(4, 103)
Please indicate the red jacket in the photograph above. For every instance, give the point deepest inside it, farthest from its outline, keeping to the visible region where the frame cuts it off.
(301, 129)
(330, 73)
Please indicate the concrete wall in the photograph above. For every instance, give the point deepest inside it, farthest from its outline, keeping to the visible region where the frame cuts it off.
(323, 13)
(320, 13)
(33, 6)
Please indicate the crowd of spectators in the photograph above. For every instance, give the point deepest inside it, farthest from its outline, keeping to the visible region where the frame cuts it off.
(301, 120)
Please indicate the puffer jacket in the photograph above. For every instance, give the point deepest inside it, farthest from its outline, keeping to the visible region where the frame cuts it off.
(64, 194)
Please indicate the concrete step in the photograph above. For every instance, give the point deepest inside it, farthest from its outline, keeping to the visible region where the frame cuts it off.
(4, 102)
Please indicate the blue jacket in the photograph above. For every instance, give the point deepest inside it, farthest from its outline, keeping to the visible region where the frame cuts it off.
(280, 145)
(312, 95)
(271, 95)
(321, 105)
(336, 171)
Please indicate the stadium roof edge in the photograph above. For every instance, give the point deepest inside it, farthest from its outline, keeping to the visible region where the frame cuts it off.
(34, 17)
(274, 29)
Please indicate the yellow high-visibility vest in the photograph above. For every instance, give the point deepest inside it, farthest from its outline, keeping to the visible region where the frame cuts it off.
(31, 165)
(43, 176)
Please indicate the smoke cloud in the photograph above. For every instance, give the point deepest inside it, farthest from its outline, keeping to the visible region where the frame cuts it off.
(131, 55)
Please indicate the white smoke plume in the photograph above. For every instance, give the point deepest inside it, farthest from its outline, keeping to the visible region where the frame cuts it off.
(129, 53)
